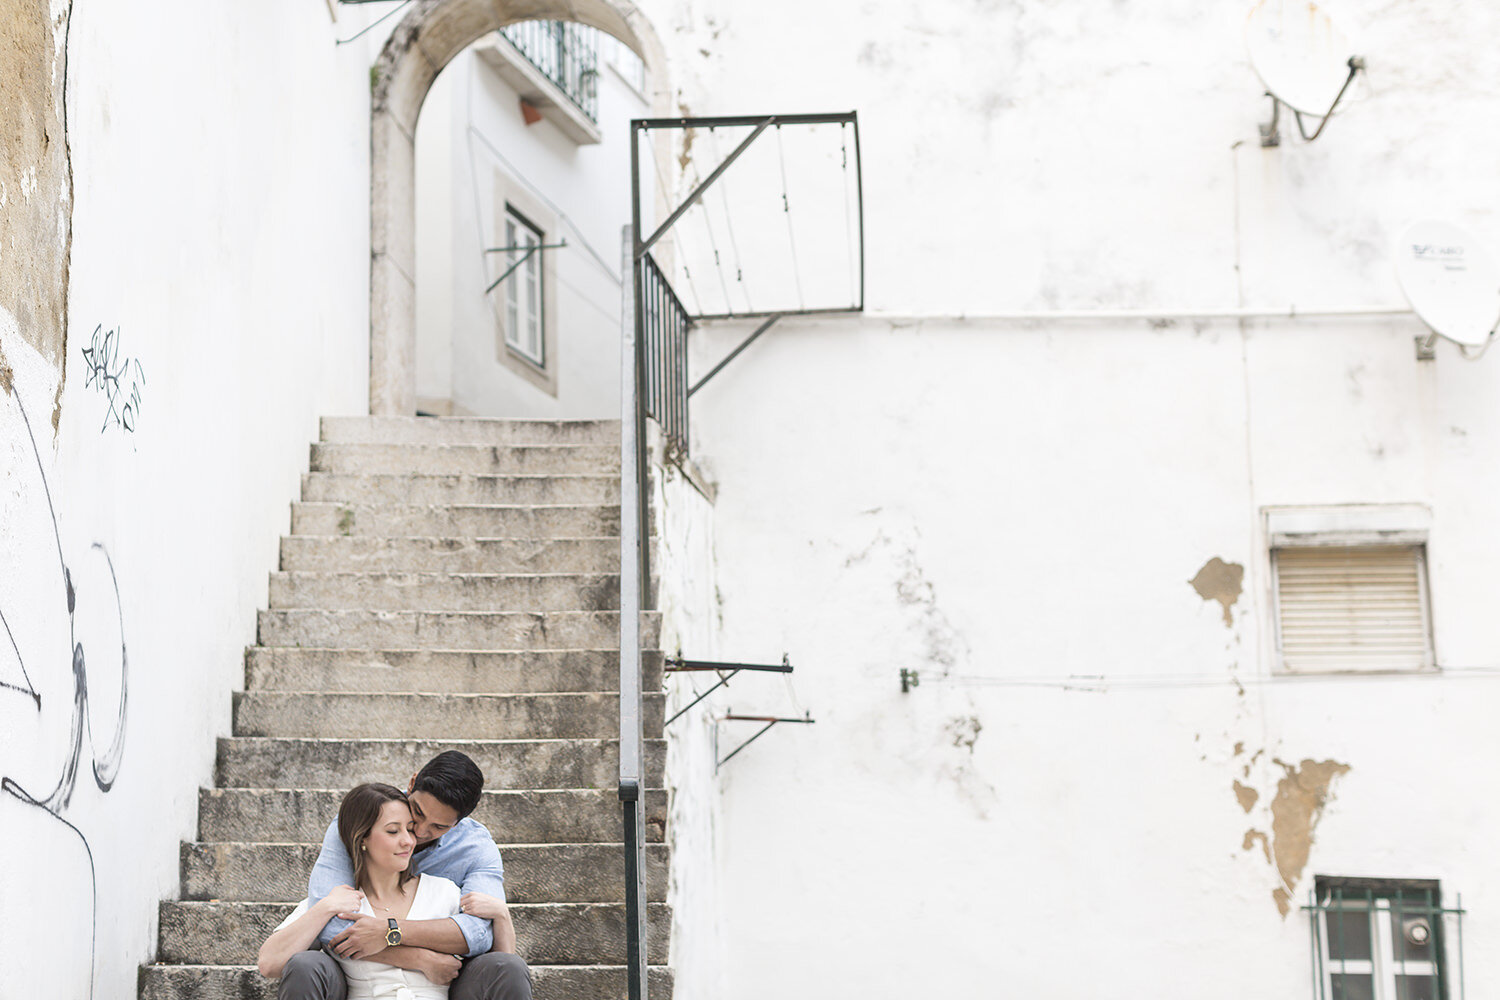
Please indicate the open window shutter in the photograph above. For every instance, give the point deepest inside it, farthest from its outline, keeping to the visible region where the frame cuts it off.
(1352, 608)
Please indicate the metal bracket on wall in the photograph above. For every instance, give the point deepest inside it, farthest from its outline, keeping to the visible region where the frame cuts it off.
(1270, 132)
(677, 665)
(735, 353)
(769, 720)
(530, 249)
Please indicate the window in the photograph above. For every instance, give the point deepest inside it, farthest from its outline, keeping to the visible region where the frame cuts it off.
(1350, 588)
(1381, 939)
(524, 302)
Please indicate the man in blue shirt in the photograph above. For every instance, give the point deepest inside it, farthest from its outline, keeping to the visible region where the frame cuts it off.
(451, 845)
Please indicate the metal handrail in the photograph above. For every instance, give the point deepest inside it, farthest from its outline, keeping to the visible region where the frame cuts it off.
(665, 328)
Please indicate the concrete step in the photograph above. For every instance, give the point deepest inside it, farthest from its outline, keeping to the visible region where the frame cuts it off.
(456, 630)
(457, 520)
(325, 554)
(534, 873)
(292, 762)
(229, 933)
(325, 487)
(467, 430)
(242, 982)
(464, 459)
(436, 671)
(591, 715)
(564, 816)
(447, 591)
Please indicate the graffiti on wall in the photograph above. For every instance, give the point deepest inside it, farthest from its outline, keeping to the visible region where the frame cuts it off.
(119, 378)
(40, 671)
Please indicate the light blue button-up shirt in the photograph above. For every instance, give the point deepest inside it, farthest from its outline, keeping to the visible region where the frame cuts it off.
(465, 854)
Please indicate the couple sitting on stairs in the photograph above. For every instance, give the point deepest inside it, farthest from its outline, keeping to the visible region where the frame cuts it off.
(407, 896)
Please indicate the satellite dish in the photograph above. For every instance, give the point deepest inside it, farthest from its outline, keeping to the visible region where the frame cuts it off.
(1450, 280)
(1299, 54)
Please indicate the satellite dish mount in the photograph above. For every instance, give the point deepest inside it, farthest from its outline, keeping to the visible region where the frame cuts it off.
(1270, 132)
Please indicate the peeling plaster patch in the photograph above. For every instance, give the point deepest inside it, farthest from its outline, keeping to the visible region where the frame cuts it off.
(1220, 581)
(1300, 798)
(1239, 747)
(1247, 796)
(36, 212)
(7, 375)
(1251, 836)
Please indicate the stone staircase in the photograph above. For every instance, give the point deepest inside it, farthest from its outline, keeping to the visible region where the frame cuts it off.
(448, 584)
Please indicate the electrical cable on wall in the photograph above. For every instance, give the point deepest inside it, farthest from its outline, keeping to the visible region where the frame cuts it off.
(786, 206)
(739, 270)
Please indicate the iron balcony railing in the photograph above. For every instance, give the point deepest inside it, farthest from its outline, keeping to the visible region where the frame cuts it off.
(565, 53)
(666, 324)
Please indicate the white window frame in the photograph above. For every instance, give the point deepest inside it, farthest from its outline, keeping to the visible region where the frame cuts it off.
(1383, 967)
(540, 368)
(1350, 526)
(525, 300)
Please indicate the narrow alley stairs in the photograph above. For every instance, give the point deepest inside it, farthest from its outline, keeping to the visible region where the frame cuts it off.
(448, 584)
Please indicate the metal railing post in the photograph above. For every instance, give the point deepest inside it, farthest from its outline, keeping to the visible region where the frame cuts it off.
(632, 549)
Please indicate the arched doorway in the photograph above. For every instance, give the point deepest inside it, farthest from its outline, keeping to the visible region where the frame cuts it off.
(428, 37)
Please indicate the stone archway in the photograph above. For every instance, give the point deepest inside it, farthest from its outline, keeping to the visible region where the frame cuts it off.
(428, 37)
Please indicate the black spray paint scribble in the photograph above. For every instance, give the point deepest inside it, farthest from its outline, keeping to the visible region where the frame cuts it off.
(120, 379)
(105, 765)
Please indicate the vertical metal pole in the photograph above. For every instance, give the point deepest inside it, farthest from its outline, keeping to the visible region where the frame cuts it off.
(632, 561)
(859, 188)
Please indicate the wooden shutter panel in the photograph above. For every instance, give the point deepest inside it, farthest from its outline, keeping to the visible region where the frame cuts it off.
(1352, 608)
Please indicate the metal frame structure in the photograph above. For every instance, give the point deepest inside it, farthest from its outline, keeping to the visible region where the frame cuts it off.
(653, 382)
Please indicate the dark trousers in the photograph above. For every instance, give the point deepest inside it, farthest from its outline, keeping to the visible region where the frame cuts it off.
(496, 975)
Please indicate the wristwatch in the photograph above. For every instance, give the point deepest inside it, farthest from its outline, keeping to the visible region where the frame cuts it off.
(393, 936)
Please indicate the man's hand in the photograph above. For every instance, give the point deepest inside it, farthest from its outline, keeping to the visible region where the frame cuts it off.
(484, 906)
(362, 940)
(441, 969)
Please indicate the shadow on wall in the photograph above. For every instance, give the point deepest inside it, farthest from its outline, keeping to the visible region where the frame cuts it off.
(34, 673)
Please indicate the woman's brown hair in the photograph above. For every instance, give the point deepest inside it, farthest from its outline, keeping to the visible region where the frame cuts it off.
(358, 814)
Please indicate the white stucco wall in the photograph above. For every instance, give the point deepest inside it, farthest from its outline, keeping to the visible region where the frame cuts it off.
(1015, 508)
(220, 232)
(471, 130)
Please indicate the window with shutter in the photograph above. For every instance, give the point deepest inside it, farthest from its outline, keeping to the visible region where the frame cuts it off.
(1350, 588)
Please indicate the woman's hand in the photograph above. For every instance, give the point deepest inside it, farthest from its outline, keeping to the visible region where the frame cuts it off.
(485, 907)
(441, 969)
(493, 909)
(342, 898)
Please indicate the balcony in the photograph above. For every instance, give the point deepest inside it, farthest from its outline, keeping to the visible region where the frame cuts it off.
(554, 66)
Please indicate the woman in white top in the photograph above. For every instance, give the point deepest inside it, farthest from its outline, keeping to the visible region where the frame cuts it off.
(376, 826)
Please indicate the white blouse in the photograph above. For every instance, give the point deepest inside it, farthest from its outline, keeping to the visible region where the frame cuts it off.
(435, 898)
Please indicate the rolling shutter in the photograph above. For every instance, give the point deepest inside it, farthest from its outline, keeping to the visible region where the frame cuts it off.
(1352, 608)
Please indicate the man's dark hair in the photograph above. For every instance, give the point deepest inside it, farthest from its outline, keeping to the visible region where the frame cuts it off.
(453, 779)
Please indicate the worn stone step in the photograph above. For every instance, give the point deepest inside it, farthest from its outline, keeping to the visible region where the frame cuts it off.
(326, 487)
(475, 630)
(457, 520)
(299, 762)
(534, 873)
(320, 714)
(243, 982)
(327, 554)
(228, 933)
(383, 591)
(463, 459)
(302, 815)
(466, 430)
(436, 670)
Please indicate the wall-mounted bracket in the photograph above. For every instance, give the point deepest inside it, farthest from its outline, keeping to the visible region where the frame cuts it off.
(769, 720)
(530, 249)
(1270, 132)
(909, 680)
(1426, 346)
(677, 665)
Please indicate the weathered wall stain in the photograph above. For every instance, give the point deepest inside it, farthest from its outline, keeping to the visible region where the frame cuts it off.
(1220, 581)
(36, 184)
(1300, 797)
(1246, 795)
(1251, 837)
